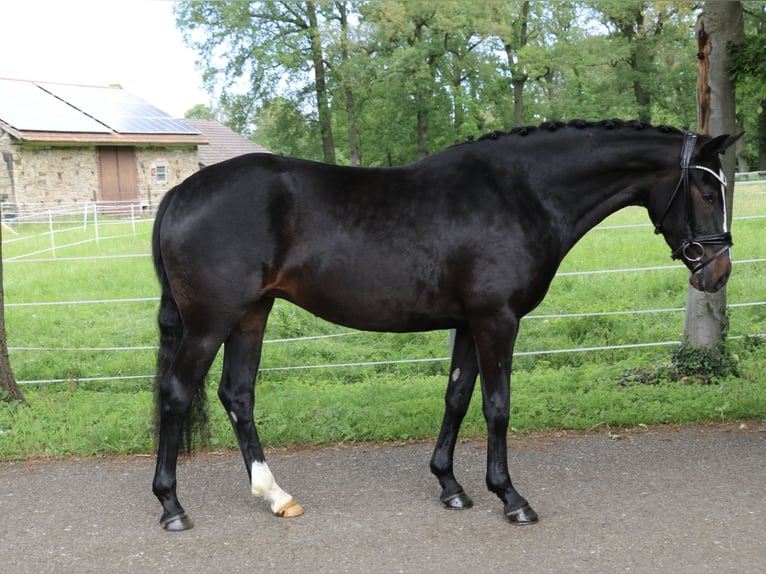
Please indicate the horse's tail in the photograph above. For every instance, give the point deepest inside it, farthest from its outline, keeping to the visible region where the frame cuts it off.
(171, 332)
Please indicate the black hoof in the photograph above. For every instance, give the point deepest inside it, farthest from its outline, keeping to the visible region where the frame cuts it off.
(459, 501)
(522, 516)
(177, 523)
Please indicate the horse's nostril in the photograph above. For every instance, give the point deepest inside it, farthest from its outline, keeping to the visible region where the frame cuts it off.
(721, 282)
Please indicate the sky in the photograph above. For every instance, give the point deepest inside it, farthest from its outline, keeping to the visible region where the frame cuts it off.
(133, 43)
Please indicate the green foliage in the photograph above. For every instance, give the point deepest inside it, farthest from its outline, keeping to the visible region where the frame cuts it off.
(652, 49)
(283, 129)
(696, 365)
(747, 69)
(746, 61)
(706, 365)
(200, 112)
(690, 365)
(405, 78)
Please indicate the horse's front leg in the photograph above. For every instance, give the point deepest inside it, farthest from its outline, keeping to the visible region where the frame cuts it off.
(242, 353)
(494, 346)
(463, 371)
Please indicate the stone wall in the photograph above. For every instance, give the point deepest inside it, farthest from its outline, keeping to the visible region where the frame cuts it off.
(180, 163)
(65, 175)
(6, 165)
(54, 175)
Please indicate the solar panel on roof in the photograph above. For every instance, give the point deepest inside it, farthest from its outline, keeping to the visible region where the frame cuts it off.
(120, 110)
(25, 106)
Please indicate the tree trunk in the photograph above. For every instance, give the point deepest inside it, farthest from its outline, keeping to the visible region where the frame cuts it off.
(458, 114)
(353, 140)
(10, 391)
(720, 23)
(422, 119)
(518, 101)
(642, 95)
(640, 59)
(320, 83)
(518, 78)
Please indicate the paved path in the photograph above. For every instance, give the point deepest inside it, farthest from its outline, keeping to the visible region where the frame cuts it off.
(688, 500)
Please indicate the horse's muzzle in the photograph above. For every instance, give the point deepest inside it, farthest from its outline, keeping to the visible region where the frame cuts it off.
(714, 275)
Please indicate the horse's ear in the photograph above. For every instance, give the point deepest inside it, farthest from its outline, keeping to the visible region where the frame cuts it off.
(719, 145)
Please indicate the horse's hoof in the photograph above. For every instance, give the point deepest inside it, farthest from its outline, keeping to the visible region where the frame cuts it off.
(177, 523)
(289, 510)
(459, 501)
(522, 516)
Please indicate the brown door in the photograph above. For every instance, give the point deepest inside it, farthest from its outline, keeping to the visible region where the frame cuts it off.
(117, 168)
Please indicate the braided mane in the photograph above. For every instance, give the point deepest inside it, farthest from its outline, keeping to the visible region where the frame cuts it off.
(553, 126)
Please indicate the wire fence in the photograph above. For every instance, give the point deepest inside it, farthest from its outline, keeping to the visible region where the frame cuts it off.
(530, 317)
(59, 221)
(63, 212)
(126, 216)
(750, 177)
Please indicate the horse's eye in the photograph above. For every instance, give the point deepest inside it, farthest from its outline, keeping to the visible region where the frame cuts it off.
(708, 198)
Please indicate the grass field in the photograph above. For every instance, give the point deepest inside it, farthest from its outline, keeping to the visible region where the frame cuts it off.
(77, 342)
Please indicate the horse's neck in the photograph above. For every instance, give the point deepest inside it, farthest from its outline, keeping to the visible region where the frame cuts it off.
(590, 204)
(599, 183)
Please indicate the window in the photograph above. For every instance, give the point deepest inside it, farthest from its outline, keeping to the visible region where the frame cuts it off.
(160, 172)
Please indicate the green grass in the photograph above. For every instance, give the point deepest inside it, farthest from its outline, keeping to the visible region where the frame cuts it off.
(578, 390)
(66, 420)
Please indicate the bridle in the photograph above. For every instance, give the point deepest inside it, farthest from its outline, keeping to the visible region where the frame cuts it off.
(692, 248)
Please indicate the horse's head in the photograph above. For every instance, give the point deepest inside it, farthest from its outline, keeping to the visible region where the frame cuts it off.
(693, 217)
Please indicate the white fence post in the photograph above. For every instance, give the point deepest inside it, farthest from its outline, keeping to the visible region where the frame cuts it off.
(95, 220)
(53, 235)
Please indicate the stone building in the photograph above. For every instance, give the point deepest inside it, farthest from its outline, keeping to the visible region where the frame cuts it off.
(69, 144)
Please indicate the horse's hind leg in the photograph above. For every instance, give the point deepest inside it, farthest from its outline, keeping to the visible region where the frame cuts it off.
(176, 391)
(242, 354)
(463, 371)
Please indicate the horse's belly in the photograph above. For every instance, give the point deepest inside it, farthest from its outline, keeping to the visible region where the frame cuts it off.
(400, 320)
(376, 303)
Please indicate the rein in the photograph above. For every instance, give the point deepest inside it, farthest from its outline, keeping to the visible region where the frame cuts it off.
(692, 248)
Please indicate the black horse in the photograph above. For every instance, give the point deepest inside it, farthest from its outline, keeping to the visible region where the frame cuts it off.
(468, 239)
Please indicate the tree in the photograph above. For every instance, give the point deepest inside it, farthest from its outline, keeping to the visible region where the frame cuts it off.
(510, 23)
(320, 81)
(646, 39)
(200, 112)
(400, 78)
(719, 25)
(270, 45)
(283, 129)
(408, 38)
(629, 20)
(437, 66)
(748, 69)
(9, 390)
(346, 72)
